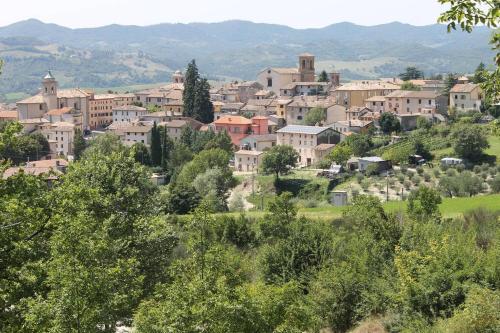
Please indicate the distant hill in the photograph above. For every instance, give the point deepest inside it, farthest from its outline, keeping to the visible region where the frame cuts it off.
(118, 55)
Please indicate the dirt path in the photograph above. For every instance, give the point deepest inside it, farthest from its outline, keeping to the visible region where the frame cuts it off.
(245, 190)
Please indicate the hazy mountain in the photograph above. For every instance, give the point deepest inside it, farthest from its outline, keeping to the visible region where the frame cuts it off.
(117, 55)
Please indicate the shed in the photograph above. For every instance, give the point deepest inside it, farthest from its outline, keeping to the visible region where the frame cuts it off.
(338, 198)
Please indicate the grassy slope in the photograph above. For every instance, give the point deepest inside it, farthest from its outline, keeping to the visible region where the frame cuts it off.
(494, 147)
(450, 207)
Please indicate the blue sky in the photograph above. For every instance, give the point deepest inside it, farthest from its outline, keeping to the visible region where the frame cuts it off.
(298, 14)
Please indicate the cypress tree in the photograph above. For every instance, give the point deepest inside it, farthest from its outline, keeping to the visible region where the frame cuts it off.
(188, 96)
(203, 107)
(155, 146)
(79, 144)
(323, 76)
(166, 147)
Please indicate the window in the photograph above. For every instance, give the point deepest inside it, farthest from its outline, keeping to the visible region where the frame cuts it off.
(430, 102)
(299, 117)
(40, 106)
(419, 101)
(408, 101)
(269, 82)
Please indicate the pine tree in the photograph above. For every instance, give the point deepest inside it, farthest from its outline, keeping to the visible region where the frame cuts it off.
(449, 82)
(480, 75)
(166, 147)
(188, 95)
(155, 146)
(79, 144)
(323, 77)
(203, 107)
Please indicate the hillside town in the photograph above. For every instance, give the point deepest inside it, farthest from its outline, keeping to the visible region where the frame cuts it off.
(257, 115)
(325, 170)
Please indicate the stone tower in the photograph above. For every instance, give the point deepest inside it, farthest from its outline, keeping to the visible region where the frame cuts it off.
(335, 79)
(178, 77)
(49, 91)
(306, 67)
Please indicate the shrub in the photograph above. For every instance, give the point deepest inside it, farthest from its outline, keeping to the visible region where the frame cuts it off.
(460, 167)
(404, 169)
(427, 177)
(492, 171)
(495, 184)
(401, 178)
(407, 184)
(451, 172)
(359, 177)
(365, 184)
(354, 193)
(416, 180)
(484, 175)
(420, 170)
(476, 169)
(485, 167)
(437, 173)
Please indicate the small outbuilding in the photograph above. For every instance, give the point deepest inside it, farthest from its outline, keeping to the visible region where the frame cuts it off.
(451, 161)
(338, 198)
(381, 164)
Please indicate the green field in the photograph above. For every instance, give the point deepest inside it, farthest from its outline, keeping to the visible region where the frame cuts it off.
(450, 207)
(494, 147)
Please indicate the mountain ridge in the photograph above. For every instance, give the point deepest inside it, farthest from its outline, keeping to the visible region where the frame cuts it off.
(116, 55)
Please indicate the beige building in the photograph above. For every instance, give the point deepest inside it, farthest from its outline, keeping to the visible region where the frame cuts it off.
(134, 133)
(65, 115)
(356, 93)
(128, 113)
(6, 115)
(124, 99)
(63, 134)
(305, 139)
(175, 127)
(466, 97)
(101, 110)
(51, 98)
(274, 79)
(376, 103)
(410, 102)
(301, 105)
(248, 160)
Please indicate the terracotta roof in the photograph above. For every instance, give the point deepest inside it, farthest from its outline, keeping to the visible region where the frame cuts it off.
(236, 120)
(137, 128)
(129, 108)
(48, 163)
(104, 96)
(8, 114)
(413, 94)
(58, 112)
(28, 170)
(366, 85)
(72, 93)
(375, 99)
(324, 146)
(463, 88)
(37, 99)
(261, 137)
(249, 152)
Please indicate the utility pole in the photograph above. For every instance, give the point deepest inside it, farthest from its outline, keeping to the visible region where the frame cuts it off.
(253, 181)
(387, 186)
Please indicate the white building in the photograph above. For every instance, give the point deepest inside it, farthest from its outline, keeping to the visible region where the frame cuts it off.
(248, 160)
(466, 97)
(63, 134)
(305, 139)
(128, 113)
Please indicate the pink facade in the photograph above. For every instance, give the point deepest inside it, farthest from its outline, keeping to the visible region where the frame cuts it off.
(240, 127)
